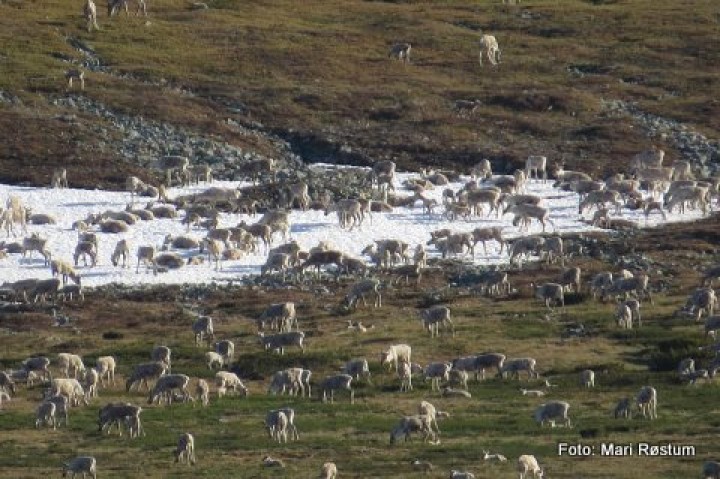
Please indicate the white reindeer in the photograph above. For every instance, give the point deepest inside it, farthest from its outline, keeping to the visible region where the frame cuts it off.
(489, 47)
(90, 15)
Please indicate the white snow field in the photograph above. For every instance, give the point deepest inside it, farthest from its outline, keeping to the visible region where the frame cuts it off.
(308, 228)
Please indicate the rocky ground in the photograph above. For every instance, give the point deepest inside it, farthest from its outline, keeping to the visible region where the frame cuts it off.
(702, 152)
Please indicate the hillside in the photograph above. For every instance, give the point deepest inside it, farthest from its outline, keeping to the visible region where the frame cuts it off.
(227, 82)
(317, 75)
(127, 322)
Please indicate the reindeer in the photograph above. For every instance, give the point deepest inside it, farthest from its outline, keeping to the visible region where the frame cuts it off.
(348, 211)
(90, 15)
(489, 47)
(15, 212)
(524, 213)
(59, 177)
(171, 163)
(115, 5)
(121, 251)
(401, 51)
(536, 164)
(298, 192)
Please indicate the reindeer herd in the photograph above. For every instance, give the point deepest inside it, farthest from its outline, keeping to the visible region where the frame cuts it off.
(648, 186)
(486, 199)
(278, 327)
(222, 244)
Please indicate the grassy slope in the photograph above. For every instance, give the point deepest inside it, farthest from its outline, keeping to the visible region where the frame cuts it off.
(320, 67)
(229, 436)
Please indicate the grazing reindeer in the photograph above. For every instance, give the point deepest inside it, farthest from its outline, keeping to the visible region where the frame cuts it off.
(298, 192)
(171, 163)
(135, 186)
(428, 205)
(323, 258)
(483, 235)
(214, 251)
(115, 5)
(524, 213)
(362, 288)
(85, 249)
(202, 173)
(646, 401)
(256, 168)
(146, 255)
(520, 180)
(64, 269)
(489, 47)
(401, 51)
(36, 243)
(550, 292)
(59, 177)
(383, 172)
(652, 158)
(420, 257)
(348, 211)
(657, 178)
(258, 231)
(650, 205)
(481, 170)
(90, 14)
(366, 206)
(599, 199)
(122, 250)
(466, 108)
(493, 457)
(75, 74)
(623, 409)
(15, 212)
(455, 210)
(536, 164)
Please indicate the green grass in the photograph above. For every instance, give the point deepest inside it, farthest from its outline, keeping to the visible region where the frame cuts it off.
(230, 438)
(320, 68)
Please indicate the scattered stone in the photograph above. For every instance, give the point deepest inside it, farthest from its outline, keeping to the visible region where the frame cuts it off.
(701, 152)
(144, 140)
